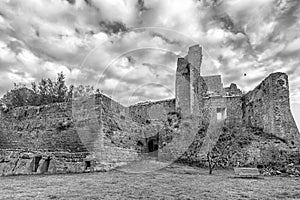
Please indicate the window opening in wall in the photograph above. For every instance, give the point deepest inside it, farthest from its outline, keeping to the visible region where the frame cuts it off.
(221, 114)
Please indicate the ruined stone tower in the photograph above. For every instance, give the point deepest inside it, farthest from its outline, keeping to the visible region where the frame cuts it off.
(188, 83)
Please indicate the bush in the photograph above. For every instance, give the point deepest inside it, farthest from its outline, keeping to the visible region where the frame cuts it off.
(44, 92)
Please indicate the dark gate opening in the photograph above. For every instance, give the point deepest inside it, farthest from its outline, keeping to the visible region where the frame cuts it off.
(150, 146)
(153, 147)
(87, 164)
(36, 162)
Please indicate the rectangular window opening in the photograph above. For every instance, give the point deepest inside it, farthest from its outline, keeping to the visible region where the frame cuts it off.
(221, 114)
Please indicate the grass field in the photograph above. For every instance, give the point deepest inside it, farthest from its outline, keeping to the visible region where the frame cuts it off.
(175, 182)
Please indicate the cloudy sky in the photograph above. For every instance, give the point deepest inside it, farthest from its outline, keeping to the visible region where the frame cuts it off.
(128, 48)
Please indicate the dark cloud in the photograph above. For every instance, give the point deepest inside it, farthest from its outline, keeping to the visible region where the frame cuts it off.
(88, 2)
(72, 2)
(141, 6)
(112, 27)
(165, 38)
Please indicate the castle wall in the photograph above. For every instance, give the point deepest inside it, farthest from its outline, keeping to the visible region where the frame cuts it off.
(230, 106)
(234, 106)
(214, 84)
(183, 87)
(232, 90)
(119, 128)
(194, 57)
(46, 128)
(268, 107)
(100, 127)
(145, 112)
(16, 162)
(189, 84)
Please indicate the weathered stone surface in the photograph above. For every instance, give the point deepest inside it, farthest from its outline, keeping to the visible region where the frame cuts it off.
(52, 166)
(23, 167)
(268, 107)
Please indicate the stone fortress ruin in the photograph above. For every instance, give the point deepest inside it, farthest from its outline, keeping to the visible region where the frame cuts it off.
(98, 134)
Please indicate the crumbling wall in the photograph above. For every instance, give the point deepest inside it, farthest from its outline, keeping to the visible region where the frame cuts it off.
(45, 131)
(214, 84)
(118, 127)
(232, 90)
(189, 84)
(268, 107)
(194, 57)
(144, 113)
(151, 117)
(183, 87)
(16, 162)
(48, 128)
(234, 111)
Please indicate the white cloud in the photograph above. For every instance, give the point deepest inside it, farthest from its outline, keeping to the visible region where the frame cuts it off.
(293, 46)
(249, 36)
(117, 10)
(6, 54)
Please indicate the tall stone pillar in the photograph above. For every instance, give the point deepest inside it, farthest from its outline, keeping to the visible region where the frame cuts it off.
(182, 87)
(194, 57)
(188, 83)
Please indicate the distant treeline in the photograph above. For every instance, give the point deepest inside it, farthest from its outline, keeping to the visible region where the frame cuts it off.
(46, 91)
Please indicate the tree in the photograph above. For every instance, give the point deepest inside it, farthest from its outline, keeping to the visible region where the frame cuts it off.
(42, 91)
(18, 96)
(50, 91)
(35, 98)
(70, 93)
(61, 88)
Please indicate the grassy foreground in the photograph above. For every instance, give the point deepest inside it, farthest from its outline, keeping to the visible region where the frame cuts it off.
(175, 182)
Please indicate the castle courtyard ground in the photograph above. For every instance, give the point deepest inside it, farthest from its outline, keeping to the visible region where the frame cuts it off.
(174, 182)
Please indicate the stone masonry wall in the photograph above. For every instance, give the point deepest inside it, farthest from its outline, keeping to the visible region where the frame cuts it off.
(47, 128)
(268, 107)
(234, 111)
(158, 110)
(182, 87)
(16, 162)
(214, 84)
(46, 132)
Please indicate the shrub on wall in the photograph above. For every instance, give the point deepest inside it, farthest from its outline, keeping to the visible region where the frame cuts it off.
(44, 92)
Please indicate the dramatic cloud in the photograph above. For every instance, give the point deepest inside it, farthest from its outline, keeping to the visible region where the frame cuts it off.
(128, 48)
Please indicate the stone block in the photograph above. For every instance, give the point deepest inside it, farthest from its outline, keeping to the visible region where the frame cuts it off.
(52, 166)
(23, 167)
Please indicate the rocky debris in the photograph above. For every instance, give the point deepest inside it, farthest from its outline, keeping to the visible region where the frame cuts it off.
(4, 107)
(65, 124)
(286, 170)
